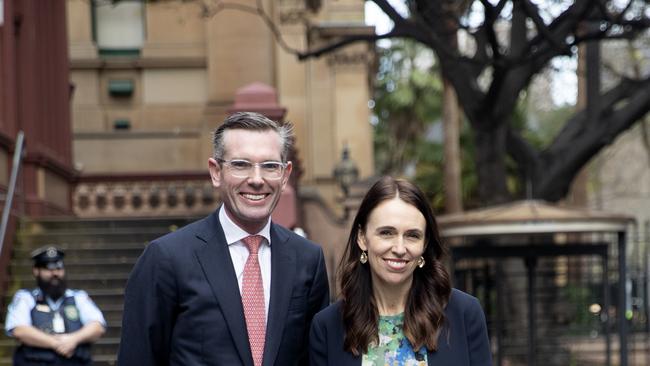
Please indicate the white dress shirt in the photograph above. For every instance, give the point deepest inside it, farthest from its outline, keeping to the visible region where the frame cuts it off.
(239, 252)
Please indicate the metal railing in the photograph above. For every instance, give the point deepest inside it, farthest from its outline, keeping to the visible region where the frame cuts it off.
(15, 168)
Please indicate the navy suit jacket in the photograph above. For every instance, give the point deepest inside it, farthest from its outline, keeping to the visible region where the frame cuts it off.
(463, 341)
(183, 306)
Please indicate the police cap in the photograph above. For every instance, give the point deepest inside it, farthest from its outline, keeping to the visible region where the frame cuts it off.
(49, 257)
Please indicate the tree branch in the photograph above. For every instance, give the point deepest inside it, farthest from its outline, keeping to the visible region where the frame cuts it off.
(606, 14)
(561, 28)
(255, 10)
(524, 154)
(388, 9)
(349, 40)
(581, 138)
(532, 12)
(515, 72)
(629, 30)
(520, 149)
(499, 8)
(578, 125)
(488, 27)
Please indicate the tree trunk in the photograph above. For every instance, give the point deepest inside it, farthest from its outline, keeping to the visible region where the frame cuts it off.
(490, 164)
(578, 193)
(452, 175)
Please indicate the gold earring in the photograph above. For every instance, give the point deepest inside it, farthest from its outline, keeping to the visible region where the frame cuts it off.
(421, 262)
(364, 257)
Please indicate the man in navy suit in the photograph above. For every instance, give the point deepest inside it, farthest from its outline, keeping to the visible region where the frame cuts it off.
(233, 288)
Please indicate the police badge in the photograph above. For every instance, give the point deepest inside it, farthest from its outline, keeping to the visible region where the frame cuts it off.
(71, 313)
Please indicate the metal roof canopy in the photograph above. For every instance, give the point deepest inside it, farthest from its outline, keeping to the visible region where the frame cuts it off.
(532, 218)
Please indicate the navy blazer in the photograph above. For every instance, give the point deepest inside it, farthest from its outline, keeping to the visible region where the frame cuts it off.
(183, 306)
(463, 341)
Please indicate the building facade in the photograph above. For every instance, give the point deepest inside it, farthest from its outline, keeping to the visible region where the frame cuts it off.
(152, 80)
(34, 99)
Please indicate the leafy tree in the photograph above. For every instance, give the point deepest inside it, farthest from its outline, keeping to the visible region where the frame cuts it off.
(407, 114)
(507, 44)
(407, 102)
(430, 165)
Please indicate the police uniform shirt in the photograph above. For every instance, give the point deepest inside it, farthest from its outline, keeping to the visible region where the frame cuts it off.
(19, 311)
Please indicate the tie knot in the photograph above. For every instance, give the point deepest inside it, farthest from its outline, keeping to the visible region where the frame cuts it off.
(253, 243)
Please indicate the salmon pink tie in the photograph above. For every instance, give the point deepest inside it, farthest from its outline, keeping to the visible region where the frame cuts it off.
(253, 299)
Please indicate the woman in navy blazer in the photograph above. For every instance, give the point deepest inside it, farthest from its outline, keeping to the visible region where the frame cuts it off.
(397, 306)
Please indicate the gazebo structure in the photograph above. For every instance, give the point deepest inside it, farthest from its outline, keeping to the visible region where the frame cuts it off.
(534, 231)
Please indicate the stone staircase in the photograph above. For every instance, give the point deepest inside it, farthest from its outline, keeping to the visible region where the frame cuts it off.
(99, 257)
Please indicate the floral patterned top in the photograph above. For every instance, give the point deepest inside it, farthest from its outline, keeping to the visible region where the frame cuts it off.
(393, 348)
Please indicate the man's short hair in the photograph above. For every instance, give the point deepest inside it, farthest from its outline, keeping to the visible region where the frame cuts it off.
(254, 122)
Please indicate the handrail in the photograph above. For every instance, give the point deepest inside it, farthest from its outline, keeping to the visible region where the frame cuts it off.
(18, 154)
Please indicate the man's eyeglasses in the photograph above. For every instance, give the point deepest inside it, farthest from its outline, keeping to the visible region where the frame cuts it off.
(240, 168)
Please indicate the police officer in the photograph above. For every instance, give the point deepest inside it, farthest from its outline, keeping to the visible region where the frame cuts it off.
(55, 325)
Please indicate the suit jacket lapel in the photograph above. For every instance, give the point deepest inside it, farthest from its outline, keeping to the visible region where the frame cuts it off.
(283, 267)
(214, 258)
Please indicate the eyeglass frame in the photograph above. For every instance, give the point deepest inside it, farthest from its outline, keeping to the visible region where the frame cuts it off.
(283, 166)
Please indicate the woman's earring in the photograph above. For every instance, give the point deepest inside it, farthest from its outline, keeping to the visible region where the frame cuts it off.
(421, 262)
(364, 257)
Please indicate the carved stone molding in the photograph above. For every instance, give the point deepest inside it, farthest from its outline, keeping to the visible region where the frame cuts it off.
(292, 16)
(144, 198)
(350, 59)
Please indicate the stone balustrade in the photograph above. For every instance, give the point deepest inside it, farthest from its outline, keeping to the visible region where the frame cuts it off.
(145, 195)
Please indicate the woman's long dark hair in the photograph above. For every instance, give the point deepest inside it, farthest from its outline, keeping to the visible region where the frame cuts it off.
(424, 313)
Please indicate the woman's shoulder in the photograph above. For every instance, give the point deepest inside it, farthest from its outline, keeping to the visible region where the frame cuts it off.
(329, 319)
(331, 312)
(461, 301)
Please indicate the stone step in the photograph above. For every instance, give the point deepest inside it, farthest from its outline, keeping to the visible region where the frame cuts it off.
(113, 328)
(99, 257)
(62, 223)
(23, 251)
(104, 350)
(33, 241)
(98, 360)
(75, 266)
(100, 252)
(80, 280)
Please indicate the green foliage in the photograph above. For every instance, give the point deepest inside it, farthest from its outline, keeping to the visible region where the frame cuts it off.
(578, 298)
(537, 127)
(407, 101)
(430, 169)
(408, 106)
(429, 173)
(548, 125)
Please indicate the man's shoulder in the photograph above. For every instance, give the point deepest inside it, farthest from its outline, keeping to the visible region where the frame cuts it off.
(461, 302)
(23, 297)
(178, 244)
(182, 233)
(76, 293)
(330, 313)
(24, 292)
(294, 238)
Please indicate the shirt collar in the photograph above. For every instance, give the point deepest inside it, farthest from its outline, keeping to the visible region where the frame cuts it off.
(55, 305)
(234, 233)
